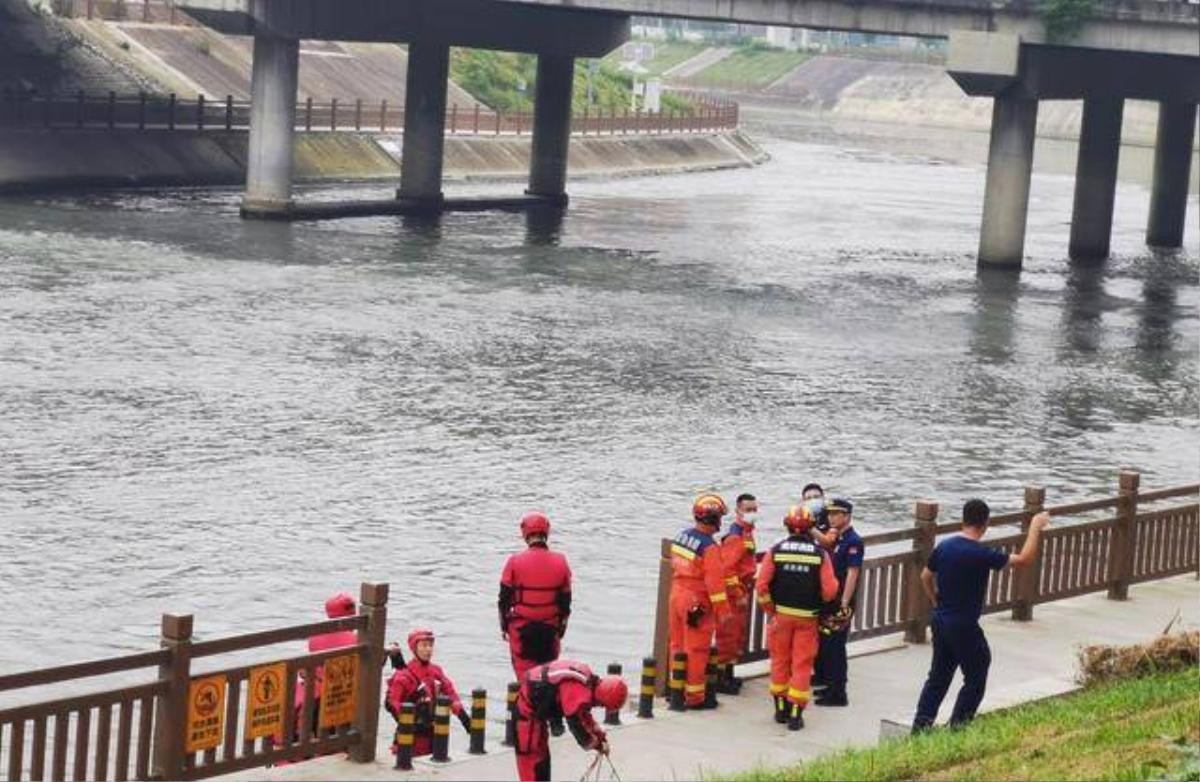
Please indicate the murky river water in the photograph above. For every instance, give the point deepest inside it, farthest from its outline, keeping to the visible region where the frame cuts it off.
(200, 414)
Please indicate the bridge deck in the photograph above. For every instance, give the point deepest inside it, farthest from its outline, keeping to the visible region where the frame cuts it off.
(1031, 660)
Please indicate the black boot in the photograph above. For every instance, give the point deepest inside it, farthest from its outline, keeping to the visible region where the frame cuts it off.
(727, 683)
(831, 697)
(557, 728)
(796, 721)
(781, 709)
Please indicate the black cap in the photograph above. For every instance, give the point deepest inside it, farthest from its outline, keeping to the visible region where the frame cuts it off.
(841, 503)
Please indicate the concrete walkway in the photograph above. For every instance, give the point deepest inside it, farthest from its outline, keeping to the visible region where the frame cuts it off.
(1031, 660)
(693, 65)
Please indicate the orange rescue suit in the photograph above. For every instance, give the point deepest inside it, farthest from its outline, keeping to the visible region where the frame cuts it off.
(796, 577)
(698, 602)
(737, 557)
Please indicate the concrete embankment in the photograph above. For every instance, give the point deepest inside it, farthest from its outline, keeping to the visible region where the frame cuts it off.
(46, 160)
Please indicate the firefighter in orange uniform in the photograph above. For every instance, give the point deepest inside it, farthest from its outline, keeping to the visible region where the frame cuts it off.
(737, 556)
(698, 600)
(795, 579)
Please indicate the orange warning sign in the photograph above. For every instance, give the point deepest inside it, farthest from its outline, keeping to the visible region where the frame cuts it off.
(206, 713)
(264, 700)
(339, 690)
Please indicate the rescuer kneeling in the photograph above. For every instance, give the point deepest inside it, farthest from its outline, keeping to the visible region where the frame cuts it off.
(795, 579)
(698, 598)
(420, 682)
(563, 689)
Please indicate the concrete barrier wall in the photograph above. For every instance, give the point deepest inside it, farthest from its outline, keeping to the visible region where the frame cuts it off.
(46, 160)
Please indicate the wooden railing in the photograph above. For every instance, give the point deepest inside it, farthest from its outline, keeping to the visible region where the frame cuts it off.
(170, 112)
(162, 730)
(1076, 557)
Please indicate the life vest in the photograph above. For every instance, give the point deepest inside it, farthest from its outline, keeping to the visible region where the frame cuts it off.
(542, 682)
(687, 552)
(796, 586)
(539, 576)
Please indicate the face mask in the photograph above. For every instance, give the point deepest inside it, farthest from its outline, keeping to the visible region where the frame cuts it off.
(750, 518)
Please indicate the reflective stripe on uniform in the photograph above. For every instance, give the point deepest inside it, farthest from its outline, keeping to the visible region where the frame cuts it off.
(732, 581)
(789, 611)
(682, 551)
(799, 695)
(777, 689)
(693, 688)
(803, 559)
(717, 598)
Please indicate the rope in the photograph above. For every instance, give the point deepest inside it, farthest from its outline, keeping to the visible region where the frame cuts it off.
(588, 775)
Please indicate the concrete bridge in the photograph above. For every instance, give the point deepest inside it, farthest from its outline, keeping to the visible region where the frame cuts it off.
(1141, 49)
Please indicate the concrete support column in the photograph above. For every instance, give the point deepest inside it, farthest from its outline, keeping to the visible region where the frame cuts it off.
(1096, 178)
(424, 123)
(272, 126)
(551, 127)
(1172, 165)
(1006, 197)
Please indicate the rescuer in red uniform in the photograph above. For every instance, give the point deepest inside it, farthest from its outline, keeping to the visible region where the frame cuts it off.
(535, 598)
(796, 578)
(420, 682)
(567, 690)
(737, 557)
(698, 600)
(336, 607)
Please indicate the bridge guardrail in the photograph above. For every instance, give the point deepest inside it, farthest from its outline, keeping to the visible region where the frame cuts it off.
(1082, 556)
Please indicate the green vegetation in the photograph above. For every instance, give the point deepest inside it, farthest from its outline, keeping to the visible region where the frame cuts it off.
(506, 81)
(1063, 18)
(1134, 729)
(751, 66)
(667, 54)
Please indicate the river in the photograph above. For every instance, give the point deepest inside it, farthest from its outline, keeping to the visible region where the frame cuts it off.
(236, 419)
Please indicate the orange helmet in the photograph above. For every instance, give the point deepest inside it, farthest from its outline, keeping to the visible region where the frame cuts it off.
(799, 518)
(611, 692)
(708, 509)
(535, 523)
(416, 636)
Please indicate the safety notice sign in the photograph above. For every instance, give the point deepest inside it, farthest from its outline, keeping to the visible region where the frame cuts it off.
(338, 691)
(206, 713)
(266, 687)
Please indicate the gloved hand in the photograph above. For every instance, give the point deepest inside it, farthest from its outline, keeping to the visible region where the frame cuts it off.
(465, 719)
(694, 614)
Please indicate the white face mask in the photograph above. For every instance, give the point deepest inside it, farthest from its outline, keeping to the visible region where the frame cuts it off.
(750, 518)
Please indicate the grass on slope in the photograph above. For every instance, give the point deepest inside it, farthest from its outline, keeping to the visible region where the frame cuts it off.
(750, 67)
(1122, 731)
(667, 54)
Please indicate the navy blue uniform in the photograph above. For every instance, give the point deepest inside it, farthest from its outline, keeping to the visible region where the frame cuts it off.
(961, 567)
(831, 659)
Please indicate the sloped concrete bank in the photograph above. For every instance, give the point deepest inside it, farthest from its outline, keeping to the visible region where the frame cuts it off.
(36, 159)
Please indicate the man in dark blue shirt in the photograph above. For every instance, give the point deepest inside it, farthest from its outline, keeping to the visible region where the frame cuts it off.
(955, 579)
(847, 565)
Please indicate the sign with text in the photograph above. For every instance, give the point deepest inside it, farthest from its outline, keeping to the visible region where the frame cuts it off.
(338, 693)
(206, 713)
(267, 686)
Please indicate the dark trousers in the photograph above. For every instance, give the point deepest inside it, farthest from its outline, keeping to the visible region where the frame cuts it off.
(832, 661)
(954, 646)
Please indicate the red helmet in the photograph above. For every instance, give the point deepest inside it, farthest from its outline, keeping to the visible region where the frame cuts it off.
(418, 635)
(799, 518)
(339, 605)
(708, 509)
(611, 692)
(535, 523)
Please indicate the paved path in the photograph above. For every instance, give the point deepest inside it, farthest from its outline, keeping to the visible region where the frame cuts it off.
(1030, 660)
(693, 65)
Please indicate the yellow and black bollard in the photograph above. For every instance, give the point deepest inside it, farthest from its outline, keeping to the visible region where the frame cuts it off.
(510, 724)
(710, 678)
(441, 730)
(613, 716)
(405, 727)
(478, 720)
(678, 678)
(646, 697)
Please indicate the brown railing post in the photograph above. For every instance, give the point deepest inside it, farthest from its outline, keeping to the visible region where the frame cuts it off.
(373, 605)
(1120, 556)
(170, 717)
(228, 112)
(171, 112)
(1028, 578)
(200, 111)
(145, 10)
(476, 122)
(141, 111)
(90, 8)
(308, 113)
(662, 613)
(518, 116)
(916, 604)
(358, 113)
(171, 5)
(583, 125)
(497, 122)
(383, 116)
(453, 119)
(333, 113)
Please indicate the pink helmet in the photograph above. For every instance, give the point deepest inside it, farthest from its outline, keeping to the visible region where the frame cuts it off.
(339, 605)
(535, 523)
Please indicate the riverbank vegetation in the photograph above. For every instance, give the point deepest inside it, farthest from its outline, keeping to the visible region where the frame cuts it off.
(752, 66)
(506, 80)
(1144, 728)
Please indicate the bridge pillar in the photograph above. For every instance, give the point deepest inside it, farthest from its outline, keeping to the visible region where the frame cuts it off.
(1096, 178)
(551, 127)
(1172, 167)
(1006, 196)
(272, 127)
(424, 123)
